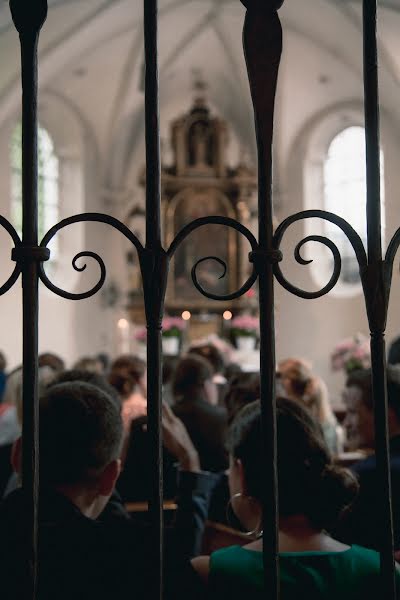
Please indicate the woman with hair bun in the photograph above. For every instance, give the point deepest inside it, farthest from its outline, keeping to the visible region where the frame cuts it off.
(313, 494)
(299, 383)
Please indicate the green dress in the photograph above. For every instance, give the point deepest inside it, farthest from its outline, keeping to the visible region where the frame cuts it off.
(237, 573)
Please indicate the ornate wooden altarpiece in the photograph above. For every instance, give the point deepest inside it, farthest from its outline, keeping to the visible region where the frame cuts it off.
(200, 182)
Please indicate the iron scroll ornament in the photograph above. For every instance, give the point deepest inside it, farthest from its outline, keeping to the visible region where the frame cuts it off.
(347, 229)
(351, 234)
(17, 243)
(216, 220)
(142, 253)
(85, 218)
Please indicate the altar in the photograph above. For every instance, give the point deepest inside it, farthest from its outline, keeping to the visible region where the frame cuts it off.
(199, 181)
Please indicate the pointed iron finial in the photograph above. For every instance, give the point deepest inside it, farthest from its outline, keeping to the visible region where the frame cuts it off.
(267, 5)
(28, 16)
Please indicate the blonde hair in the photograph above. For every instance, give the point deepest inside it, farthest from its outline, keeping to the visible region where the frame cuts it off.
(307, 388)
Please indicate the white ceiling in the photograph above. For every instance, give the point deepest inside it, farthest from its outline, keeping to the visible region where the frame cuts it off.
(91, 54)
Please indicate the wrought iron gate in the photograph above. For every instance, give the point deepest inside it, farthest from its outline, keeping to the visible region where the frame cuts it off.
(263, 45)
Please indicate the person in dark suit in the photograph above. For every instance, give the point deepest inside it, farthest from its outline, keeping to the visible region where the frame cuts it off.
(196, 400)
(363, 524)
(80, 556)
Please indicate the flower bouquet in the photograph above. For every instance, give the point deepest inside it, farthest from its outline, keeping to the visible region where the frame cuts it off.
(351, 354)
(172, 331)
(173, 327)
(245, 326)
(245, 329)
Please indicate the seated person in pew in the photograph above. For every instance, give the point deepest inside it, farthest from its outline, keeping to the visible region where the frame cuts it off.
(196, 404)
(242, 389)
(128, 377)
(297, 381)
(80, 557)
(313, 493)
(114, 508)
(363, 524)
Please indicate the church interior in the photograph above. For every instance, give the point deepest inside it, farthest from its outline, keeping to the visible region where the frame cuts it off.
(91, 115)
(196, 398)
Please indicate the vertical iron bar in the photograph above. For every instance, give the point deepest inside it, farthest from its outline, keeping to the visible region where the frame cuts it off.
(153, 173)
(267, 362)
(28, 20)
(30, 436)
(262, 38)
(154, 302)
(371, 107)
(378, 306)
(267, 376)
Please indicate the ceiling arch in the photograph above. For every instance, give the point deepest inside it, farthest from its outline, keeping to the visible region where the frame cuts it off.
(98, 45)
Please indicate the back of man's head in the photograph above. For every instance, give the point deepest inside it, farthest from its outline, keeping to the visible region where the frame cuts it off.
(210, 353)
(95, 379)
(190, 376)
(80, 433)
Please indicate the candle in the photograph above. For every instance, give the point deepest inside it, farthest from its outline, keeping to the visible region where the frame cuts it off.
(123, 336)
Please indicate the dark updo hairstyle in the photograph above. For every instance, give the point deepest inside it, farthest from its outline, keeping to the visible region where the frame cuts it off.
(190, 376)
(309, 483)
(126, 373)
(243, 389)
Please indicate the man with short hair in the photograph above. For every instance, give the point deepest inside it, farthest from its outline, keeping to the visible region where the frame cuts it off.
(79, 557)
(363, 524)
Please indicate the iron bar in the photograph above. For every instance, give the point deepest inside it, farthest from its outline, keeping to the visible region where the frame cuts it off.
(262, 39)
(263, 45)
(30, 460)
(377, 292)
(153, 168)
(28, 23)
(154, 273)
(371, 108)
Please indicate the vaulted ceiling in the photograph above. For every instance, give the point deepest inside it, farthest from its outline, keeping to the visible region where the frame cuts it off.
(91, 54)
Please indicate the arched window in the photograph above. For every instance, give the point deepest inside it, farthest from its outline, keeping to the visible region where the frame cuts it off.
(344, 189)
(48, 184)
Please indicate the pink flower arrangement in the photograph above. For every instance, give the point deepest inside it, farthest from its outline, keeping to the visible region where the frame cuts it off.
(173, 326)
(352, 354)
(245, 325)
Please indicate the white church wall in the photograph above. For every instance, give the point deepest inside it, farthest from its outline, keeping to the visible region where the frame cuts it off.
(311, 328)
(78, 192)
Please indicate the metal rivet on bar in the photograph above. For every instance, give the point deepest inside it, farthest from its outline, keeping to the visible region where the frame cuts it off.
(24, 254)
(260, 257)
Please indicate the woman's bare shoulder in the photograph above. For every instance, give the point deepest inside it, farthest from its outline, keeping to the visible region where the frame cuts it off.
(201, 565)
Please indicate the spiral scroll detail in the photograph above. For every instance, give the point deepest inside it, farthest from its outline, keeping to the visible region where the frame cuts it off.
(216, 220)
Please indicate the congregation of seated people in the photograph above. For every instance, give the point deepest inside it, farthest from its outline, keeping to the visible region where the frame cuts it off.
(95, 537)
